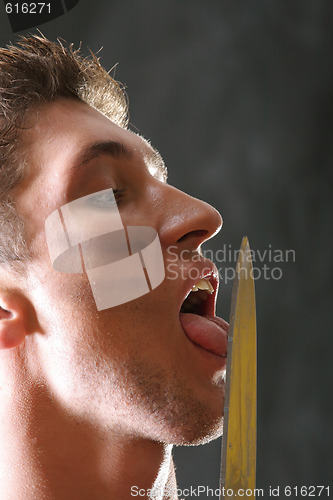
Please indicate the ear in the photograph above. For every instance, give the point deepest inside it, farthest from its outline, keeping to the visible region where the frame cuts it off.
(14, 319)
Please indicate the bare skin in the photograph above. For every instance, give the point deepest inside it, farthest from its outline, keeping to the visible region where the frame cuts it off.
(91, 402)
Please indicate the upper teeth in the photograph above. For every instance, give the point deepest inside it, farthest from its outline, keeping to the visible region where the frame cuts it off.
(203, 284)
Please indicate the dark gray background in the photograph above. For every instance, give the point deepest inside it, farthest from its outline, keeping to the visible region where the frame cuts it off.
(237, 96)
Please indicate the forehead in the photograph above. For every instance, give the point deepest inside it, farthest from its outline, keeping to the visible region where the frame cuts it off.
(67, 131)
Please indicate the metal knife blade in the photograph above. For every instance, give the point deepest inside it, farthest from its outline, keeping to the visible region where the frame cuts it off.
(238, 460)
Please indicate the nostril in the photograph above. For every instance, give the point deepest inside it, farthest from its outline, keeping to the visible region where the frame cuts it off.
(199, 233)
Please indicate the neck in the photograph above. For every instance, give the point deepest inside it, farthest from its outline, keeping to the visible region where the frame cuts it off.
(46, 453)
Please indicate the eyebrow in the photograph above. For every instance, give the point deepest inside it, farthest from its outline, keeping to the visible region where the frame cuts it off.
(115, 149)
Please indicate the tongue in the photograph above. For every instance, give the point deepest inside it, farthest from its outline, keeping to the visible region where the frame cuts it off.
(209, 332)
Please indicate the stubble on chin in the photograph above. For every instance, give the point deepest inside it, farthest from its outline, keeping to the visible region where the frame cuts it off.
(174, 413)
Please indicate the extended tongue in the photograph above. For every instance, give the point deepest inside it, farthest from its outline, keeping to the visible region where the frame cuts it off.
(209, 332)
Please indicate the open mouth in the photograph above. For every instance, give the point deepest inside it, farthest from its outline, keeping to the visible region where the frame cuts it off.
(197, 317)
(200, 299)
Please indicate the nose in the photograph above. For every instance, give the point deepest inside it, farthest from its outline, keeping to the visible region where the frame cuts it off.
(186, 221)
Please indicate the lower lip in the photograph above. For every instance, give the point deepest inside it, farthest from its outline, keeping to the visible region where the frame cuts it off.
(207, 332)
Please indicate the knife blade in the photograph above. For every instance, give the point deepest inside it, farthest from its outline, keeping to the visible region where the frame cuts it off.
(238, 457)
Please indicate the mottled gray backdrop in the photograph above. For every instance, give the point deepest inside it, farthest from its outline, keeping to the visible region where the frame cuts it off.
(237, 96)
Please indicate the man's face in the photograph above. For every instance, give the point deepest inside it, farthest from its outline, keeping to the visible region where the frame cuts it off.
(131, 367)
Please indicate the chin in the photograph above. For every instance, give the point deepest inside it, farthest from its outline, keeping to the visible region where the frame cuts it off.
(199, 426)
(202, 435)
(194, 420)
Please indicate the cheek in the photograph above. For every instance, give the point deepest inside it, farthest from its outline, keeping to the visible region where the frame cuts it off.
(68, 313)
(61, 300)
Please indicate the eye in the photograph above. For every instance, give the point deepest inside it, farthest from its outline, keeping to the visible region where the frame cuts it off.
(106, 200)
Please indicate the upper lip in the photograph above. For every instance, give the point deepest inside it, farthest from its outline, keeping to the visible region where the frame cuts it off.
(204, 269)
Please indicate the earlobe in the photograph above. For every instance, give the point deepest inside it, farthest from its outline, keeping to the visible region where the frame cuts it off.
(13, 320)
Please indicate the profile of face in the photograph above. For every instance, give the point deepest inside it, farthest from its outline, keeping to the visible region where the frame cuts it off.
(140, 365)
